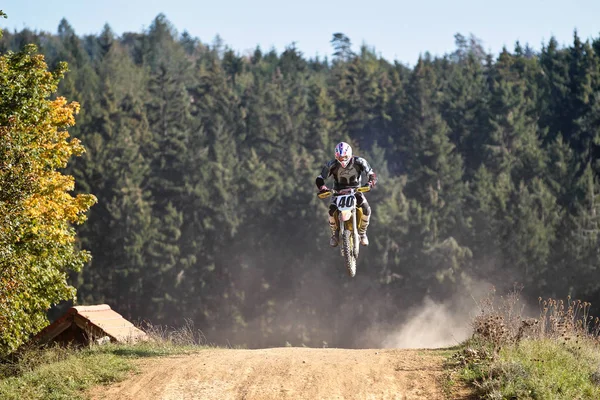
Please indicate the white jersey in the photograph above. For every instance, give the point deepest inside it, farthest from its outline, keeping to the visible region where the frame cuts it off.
(349, 176)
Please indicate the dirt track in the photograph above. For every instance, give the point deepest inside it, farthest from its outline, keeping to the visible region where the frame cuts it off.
(285, 373)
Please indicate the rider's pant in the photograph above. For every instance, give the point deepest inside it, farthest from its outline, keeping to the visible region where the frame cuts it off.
(361, 201)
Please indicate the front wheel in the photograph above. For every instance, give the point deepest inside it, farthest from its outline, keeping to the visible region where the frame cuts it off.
(348, 252)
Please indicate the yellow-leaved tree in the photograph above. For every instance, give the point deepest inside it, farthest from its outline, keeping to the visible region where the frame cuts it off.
(37, 211)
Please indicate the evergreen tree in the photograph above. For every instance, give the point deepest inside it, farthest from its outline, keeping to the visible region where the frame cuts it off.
(342, 46)
(513, 146)
(434, 171)
(465, 103)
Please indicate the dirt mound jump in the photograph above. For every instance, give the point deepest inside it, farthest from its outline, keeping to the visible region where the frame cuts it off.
(286, 373)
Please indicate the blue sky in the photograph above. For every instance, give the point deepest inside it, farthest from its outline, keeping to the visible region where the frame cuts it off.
(398, 30)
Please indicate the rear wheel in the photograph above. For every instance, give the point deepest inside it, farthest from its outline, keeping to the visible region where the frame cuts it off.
(348, 252)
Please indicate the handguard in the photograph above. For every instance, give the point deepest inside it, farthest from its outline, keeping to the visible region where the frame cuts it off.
(325, 194)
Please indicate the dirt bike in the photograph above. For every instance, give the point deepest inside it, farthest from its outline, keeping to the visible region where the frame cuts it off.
(347, 218)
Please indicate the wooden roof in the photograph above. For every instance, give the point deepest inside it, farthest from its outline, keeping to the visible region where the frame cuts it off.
(95, 321)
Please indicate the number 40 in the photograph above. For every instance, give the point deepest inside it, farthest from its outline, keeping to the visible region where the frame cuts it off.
(346, 201)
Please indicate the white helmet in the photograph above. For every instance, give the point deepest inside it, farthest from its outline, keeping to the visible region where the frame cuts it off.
(343, 153)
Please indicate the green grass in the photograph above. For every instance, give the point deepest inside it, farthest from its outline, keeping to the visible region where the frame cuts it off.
(66, 379)
(548, 369)
(59, 373)
(530, 369)
(555, 356)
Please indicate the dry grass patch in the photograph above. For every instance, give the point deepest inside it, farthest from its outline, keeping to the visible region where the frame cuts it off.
(553, 356)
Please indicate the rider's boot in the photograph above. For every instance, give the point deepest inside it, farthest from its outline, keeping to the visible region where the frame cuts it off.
(333, 242)
(362, 230)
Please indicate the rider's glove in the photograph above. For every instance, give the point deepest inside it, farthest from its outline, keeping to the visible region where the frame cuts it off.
(323, 189)
(372, 179)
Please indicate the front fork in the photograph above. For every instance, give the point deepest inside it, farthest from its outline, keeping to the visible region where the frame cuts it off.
(355, 235)
(341, 233)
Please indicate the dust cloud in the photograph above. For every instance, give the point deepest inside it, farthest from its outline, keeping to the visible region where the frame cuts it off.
(437, 323)
(432, 325)
(444, 323)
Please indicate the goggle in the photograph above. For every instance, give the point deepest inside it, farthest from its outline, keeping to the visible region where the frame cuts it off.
(342, 158)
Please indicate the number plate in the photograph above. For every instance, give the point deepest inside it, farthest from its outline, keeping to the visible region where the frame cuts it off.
(345, 202)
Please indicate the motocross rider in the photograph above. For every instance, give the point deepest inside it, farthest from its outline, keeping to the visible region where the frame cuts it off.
(346, 171)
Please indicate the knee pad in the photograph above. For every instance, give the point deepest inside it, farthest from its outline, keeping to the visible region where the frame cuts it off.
(332, 209)
(366, 208)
